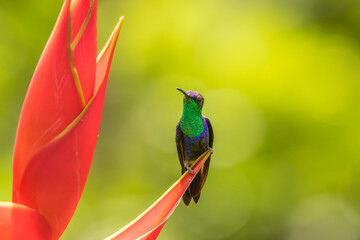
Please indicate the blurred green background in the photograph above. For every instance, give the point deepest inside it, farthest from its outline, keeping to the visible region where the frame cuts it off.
(281, 85)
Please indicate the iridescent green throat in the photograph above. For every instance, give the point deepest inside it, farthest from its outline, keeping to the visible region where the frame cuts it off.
(191, 123)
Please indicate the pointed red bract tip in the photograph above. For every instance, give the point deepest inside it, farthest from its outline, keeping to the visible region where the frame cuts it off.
(105, 56)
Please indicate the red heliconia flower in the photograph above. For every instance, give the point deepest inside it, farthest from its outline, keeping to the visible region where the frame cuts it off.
(58, 126)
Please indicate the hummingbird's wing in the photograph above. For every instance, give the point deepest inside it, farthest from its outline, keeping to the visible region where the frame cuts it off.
(200, 178)
(180, 149)
(180, 146)
(211, 133)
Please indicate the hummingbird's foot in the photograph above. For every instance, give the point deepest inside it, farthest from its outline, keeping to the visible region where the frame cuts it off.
(211, 149)
(189, 169)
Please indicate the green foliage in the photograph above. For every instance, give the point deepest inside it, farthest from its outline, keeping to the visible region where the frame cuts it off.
(281, 87)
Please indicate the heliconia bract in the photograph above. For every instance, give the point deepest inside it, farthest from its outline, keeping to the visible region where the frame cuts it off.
(58, 126)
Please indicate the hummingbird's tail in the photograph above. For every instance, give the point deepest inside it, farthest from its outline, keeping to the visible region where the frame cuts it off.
(187, 197)
(193, 192)
(196, 199)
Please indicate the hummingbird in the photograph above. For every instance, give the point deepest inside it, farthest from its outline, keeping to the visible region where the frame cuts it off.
(194, 136)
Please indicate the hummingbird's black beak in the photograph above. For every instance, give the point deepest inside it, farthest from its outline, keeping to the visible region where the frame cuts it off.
(183, 92)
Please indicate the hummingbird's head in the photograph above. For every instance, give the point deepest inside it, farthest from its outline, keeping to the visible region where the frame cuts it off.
(192, 100)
